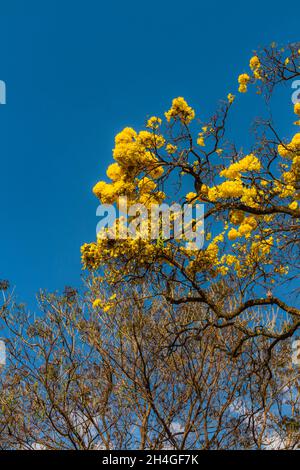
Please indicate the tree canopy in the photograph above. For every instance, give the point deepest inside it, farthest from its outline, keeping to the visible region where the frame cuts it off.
(251, 221)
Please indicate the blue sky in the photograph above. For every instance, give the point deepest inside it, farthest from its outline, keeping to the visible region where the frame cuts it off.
(76, 74)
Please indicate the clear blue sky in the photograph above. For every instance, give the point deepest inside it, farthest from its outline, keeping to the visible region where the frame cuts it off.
(76, 73)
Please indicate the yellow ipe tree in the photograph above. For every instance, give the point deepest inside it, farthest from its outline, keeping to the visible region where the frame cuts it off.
(248, 266)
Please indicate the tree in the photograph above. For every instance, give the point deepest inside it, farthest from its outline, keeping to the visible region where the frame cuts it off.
(251, 210)
(135, 378)
(172, 345)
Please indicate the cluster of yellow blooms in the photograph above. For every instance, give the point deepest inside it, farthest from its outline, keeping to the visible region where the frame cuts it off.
(91, 255)
(259, 250)
(136, 173)
(290, 179)
(247, 225)
(171, 149)
(190, 196)
(226, 190)
(134, 153)
(256, 253)
(154, 122)
(235, 188)
(208, 259)
(248, 163)
(255, 66)
(243, 80)
(180, 110)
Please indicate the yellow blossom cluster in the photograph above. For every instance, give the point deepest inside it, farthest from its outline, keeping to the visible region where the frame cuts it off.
(297, 108)
(247, 225)
(200, 140)
(234, 189)
(104, 304)
(108, 193)
(140, 251)
(154, 122)
(255, 66)
(134, 154)
(293, 205)
(291, 149)
(226, 190)
(190, 196)
(288, 185)
(90, 256)
(245, 239)
(243, 80)
(208, 259)
(114, 172)
(236, 217)
(248, 163)
(180, 110)
(171, 149)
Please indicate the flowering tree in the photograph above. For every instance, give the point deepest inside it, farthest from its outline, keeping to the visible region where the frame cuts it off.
(251, 211)
(157, 352)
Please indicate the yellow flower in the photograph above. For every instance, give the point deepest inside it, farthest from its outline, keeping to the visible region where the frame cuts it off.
(236, 217)
(243, 89)
(243, 81)
(230, 259)
(254, 63)
(150, 140)
(171, 148)
(200, 140)
(293, 205)
(223, 270)
(226, 190)
(97, 303)
(125, 136)
(284, 151)
(233, 234)
(90, 255)
(104, 191)
(190, 196)
(296, 141)
(154, 122)
(107, 307)
(248, 163)
(114, 171)
(146, 185)
(245, 229)
(297, 109)
(230, 98)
